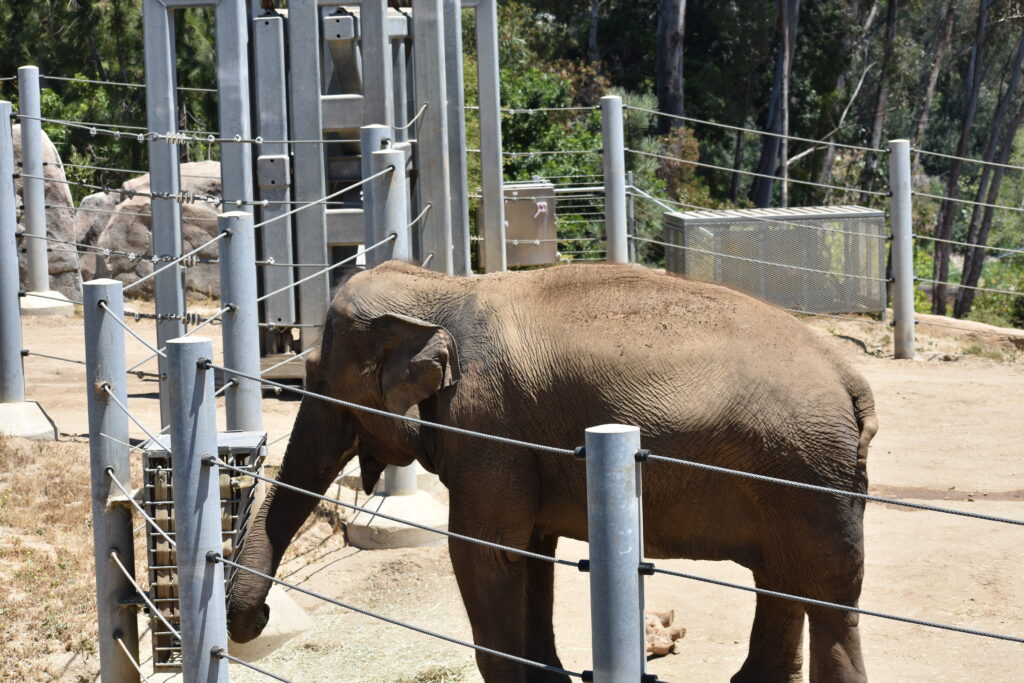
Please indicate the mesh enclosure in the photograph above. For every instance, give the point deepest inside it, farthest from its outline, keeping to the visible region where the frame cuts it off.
(240, 449)
(828, 259)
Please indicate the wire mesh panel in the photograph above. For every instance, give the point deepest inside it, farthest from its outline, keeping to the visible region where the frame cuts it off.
(241, 449)
(828, 259)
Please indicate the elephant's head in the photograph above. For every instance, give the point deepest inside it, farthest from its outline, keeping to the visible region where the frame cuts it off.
(377, 359)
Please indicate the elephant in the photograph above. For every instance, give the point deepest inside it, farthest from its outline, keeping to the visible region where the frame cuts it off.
(709, 374)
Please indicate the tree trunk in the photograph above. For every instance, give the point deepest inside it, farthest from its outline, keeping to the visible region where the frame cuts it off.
(595, 54)
(924, 113)
(671, 28)
(787, 40)
(737, 154)
(761, 190)
(974, 261)
(947, 212)
(867, 177)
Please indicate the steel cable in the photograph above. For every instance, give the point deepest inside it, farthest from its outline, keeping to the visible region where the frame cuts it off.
(109, 471)
(144, 596)
(289, 360)
(401, 418)
(968, 244)
(414, 119)
(195, 329)
(977, 289)
(835, 491)
(117, 319)
(220, 653)
(26, 352)
(968, 160)
(106, 388)
(374, 513)
(219, 236)
(969, 202)
(124, 648)
(845, 608)
(37, 295)
(322, 200)
(216, 557)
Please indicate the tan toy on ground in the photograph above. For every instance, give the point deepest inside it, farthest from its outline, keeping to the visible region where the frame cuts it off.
(661, 635)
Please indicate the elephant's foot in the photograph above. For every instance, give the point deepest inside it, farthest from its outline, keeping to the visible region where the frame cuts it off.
(753, 673)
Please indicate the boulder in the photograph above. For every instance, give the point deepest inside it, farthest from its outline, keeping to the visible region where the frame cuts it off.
(91, 220)
(60, 222)
(661, 636)
(131, 231)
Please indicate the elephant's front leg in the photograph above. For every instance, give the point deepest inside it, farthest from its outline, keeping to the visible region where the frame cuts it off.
(540, 598)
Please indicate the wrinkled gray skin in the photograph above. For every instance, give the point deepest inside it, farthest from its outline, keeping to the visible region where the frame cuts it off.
(707, 373)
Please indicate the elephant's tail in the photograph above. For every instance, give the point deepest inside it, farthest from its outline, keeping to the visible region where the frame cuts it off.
(867, 421)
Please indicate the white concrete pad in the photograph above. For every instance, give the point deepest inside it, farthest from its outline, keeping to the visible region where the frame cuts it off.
(425, 481)
(26, 420)
(287, 620)
(372, 532)
(37, 305)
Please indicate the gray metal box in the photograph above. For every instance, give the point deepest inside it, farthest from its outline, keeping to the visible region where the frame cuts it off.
(246, 450)
(530, 235)
(826, 259)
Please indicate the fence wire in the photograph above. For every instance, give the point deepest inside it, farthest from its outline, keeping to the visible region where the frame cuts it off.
(135, 665)
(26, 352)
(221, 653)
(968, 244)
(395, 622)
(109, 471)
(142, 594)
(845, 608)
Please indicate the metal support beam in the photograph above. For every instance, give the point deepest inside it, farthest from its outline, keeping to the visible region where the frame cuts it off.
(372, 138)
(902, 248)
(109, 451)
(378, 95)
(614, 154)
(616, 540)
(197, 510)
(240, 325)
(390, 208)
(33, 189)
(435, 229)
(459, 184)
(12, 373)
(306, 117)
(491, 178)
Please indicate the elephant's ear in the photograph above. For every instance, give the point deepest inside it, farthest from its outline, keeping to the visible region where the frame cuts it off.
(417, 360)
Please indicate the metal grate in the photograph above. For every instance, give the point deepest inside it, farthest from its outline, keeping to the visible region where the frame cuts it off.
(828, 259)
(241, 449)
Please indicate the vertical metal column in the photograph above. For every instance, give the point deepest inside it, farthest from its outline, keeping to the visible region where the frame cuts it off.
(458, 183)
(435, 229)
(12, 373)
(371, 139)
(240, 325)
(614, 155)
(162, 117)
(902, 248)
(390, 208)
(378, 75)
(197, 510)
(491, 178)
(111, 523)
(33, 189)
(306, 116)
(615, 535)
(232, 36)
(631, 216)
(400, 83)
(273, 165)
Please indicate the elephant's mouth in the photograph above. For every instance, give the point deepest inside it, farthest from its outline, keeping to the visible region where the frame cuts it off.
(243, 629)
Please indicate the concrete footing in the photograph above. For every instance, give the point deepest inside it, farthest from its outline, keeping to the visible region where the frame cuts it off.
(36, 305)
(27, 420)
(371, 532)
(425, 481)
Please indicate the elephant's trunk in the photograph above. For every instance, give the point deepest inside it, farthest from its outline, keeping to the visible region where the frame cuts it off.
(322, 441)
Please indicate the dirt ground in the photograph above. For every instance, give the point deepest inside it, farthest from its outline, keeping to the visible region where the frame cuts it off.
(951, 434)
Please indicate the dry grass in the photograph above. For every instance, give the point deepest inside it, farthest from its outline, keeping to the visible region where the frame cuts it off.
(47, 615)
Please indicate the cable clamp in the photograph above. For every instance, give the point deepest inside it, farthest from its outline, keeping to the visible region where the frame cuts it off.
(583, 566)
(258, 140)
(93, 132)
(587, 676)
(24, 353)
(648, 678)
(204, 364)
(580, 453)
(645, 569)
(643, 455)
(213, 557)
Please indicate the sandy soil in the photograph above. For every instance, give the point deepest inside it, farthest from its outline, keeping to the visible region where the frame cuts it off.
(951, 434)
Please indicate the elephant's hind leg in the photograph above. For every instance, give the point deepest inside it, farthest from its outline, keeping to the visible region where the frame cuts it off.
(540, 590)
(776, 639)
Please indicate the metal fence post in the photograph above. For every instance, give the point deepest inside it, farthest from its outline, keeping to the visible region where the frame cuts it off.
(240, 325)
(492, 182)
(631, 216)
(108, 451)
(615, 535)
(390, 208)
(614, 156)
(33, 189)
(902, 248)
(12, 373)
(371, 139)
(459, 184)
(197, 509)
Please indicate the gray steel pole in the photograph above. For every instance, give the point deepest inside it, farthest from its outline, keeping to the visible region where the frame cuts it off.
(162, 117)
(614, 155)
(306, 122)
(390, 208)
(902, 248)
(491, 178)
(378, 100)
(615, 535)
(459, 183)
(240, 325)
(372, 139)
(232, 36)
(33, 189)
(197, 510)
(111, 523)
(435, 229)
(12, 373)
(631, 216)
